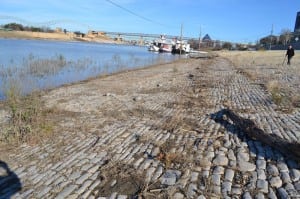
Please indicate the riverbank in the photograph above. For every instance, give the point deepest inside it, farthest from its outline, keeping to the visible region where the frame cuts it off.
(54, 36)
(165, 131)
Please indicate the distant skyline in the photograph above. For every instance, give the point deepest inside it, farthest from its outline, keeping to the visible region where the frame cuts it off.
(226, 20)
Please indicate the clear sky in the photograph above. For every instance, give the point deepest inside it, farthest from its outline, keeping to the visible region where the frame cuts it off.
(227, 20)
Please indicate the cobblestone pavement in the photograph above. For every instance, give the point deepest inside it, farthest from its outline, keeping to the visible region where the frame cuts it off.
(151, 133)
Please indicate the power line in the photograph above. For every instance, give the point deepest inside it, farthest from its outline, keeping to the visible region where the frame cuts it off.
(133, 13)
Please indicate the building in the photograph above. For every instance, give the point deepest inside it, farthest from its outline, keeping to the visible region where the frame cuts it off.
(206, 38)
(286, 38)
(297, 23)
(207, 42)
(93, 34)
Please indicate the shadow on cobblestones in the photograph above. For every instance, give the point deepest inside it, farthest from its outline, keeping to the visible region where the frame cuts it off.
(9, 182)
(236, 124)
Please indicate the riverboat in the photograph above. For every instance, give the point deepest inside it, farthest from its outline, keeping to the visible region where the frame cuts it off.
(174, 46)
(161, 45)
(181, 47)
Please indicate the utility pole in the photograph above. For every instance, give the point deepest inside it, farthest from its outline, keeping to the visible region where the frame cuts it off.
(180, 39)
(200, 37)
(271, 38)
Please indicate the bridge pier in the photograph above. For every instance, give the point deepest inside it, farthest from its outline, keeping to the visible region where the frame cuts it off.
(141, 41)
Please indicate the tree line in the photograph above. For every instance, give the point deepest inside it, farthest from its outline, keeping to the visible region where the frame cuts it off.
(284, 38)
(219, 45)
(20, 27)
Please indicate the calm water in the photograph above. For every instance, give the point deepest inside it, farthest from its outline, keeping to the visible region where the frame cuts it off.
(29, 65)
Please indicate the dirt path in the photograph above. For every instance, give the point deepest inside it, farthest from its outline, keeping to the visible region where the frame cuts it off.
(160, 132)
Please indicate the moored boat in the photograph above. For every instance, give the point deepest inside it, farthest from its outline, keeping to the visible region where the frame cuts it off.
(181, 47)
(161, 45)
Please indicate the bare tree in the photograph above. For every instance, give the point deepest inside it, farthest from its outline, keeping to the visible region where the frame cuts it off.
(285, 36)
(227, 45)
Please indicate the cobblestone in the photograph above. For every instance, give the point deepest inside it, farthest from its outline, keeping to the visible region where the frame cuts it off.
(247, 195)
(282, 193)
(192, 190)
(261, 174)
(246, 166)
(167, 139)
(272, 170)
(220, 160)
(295, 175)
(226, 188)
(275, 182)
(229, 174)
(261, 164)
(262, 186)
(67, 191)
(170, 177)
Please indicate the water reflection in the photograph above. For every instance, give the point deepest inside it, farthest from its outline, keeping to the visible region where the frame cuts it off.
(29, 65)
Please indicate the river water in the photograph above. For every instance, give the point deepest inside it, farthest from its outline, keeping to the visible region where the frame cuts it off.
(29, 65)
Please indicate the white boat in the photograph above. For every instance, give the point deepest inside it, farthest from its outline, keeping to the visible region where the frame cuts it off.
(181, 47)
(161, 45)
(165, 47)
(153, 47)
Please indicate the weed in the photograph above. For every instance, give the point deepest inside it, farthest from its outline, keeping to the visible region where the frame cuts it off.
(170, 158)
(295, 100)
(281, 95)
(27, 118)
(175, 70)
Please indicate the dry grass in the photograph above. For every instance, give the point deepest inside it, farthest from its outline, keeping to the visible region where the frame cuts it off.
(269, 69)
(274, 87)
(126, 180)
(169, 158)
(29, 121)
(255, 58)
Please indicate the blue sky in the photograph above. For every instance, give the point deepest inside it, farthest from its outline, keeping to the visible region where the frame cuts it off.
(227, 20)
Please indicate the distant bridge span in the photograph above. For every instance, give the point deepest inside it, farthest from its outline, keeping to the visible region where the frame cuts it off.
(119, 34)
(66, 21)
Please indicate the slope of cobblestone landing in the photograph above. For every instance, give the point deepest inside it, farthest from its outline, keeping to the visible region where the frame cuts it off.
(151, 133)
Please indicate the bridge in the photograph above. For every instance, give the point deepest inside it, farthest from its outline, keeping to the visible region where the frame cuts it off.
(141, 38)
(144, 35)
(138, 38)
(118, 35)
